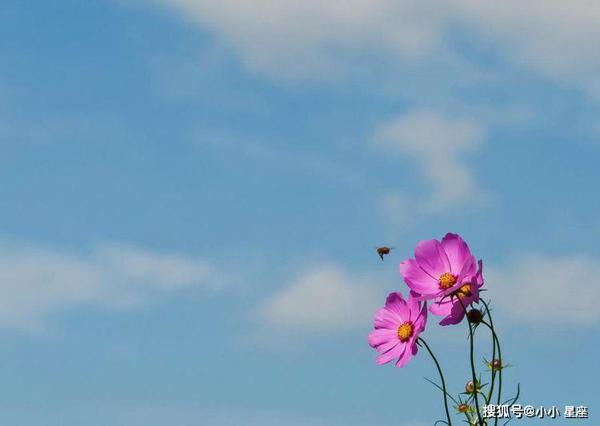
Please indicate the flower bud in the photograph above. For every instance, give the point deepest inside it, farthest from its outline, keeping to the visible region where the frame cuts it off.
(496, 365)
(463, 408)
(475, 316)
(471, 387)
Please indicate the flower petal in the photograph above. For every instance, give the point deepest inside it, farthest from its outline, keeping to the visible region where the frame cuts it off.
(420, 321)
(442, 306)
(457, 251)
(409, 352)
(479, 275)
(414, 306)
(457, 311)
(455, 317)
(388, 346)
(396, 352)
(432, 258)
(474, 297)
(469, 268)
(396, 304)
(380, 336)
(384, 318)
(417, 279)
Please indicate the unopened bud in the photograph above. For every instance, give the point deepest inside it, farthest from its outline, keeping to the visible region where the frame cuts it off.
(475, 316)
(496, 365)
(462, 408)
(470, 387)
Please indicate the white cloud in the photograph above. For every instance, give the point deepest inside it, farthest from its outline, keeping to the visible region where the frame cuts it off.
(556, 38)
(295, 38)
(437, 143)
(37, 283)
(309, 37)
(160, 270)
(533, 291)
(323, 299)
(544, 290)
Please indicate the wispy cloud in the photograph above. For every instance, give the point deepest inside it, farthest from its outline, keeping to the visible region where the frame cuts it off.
(533, 291)
(288, 40)
(438, 144)
(530, 33)
(323, 299)
(543, 290)
(37, 283)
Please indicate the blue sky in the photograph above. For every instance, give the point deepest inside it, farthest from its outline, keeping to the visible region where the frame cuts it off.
(191, 193)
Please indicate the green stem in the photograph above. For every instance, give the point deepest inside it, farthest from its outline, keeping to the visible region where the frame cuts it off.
(495, 336)
(437, 364)
(442, 389)
(473, 374)
(494, 339)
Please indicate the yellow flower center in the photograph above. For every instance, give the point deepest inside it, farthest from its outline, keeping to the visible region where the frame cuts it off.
(446, 280)
(464, 291)
(405, 331)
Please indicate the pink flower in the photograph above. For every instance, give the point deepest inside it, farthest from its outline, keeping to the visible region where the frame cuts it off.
(452, 307)
(397, 327)
(439, 268)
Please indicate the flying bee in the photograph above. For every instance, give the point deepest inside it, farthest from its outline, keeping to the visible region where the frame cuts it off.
(383, 251)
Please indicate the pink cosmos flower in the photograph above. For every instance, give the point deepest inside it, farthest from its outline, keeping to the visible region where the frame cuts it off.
(439, 268)
(397, 327)
(452, 307)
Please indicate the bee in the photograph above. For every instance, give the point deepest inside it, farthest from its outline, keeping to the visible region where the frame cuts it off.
(383, 251)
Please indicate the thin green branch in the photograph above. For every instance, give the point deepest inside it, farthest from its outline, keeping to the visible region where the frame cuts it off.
(490, 325)
(493, 370)
(514, 399)
(437, 364)
(472, 357)
(440, 388)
